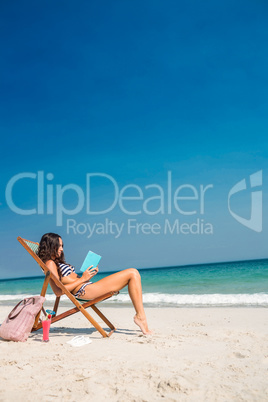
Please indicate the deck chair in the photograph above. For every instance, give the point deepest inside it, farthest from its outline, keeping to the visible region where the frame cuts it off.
(81, 305)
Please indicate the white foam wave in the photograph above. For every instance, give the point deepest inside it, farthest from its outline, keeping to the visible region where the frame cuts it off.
(255, 299)
(165, 299)
(49, 297)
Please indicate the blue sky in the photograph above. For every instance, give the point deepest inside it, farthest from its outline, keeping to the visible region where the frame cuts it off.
(133, 90)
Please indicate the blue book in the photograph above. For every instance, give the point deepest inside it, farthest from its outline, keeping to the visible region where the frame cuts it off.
(91, 259)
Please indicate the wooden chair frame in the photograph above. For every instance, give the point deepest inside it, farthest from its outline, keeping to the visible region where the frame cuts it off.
(79, 307)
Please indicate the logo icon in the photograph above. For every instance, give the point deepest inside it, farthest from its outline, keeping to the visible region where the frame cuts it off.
(255, 220)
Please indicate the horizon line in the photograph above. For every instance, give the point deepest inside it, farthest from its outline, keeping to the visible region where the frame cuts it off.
(150, 268)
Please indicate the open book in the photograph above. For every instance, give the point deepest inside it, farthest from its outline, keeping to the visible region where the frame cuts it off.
(91, 259)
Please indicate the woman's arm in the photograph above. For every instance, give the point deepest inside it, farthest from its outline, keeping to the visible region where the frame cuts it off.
(53, 268)
(58, 291)
(70, 283)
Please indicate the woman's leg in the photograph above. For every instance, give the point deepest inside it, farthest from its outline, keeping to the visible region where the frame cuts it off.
(116, 282)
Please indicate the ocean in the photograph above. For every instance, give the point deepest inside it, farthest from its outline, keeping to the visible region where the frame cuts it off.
(232, 284)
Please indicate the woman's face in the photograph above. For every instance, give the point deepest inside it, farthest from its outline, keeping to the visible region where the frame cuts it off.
(60, 249)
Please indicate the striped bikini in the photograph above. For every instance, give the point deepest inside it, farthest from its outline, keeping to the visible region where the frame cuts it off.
(66, 270)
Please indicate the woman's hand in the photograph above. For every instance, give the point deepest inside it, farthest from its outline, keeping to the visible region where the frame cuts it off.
(89, 273)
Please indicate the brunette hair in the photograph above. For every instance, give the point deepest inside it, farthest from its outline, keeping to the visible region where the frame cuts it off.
(48, 248)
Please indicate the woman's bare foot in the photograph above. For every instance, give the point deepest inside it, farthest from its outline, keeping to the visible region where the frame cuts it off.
(142, 323)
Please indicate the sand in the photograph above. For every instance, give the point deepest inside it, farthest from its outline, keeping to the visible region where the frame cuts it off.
(202, 354)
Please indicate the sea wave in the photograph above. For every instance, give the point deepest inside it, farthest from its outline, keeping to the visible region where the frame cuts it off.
(255, 299)
(196, 300)
(172, 300)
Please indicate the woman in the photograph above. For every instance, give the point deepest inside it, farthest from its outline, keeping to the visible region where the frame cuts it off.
(51, 253)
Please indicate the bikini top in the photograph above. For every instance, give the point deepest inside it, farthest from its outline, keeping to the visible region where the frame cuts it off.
(66, 269)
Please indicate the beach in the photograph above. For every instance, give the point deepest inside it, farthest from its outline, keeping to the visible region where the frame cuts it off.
(195, 354)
